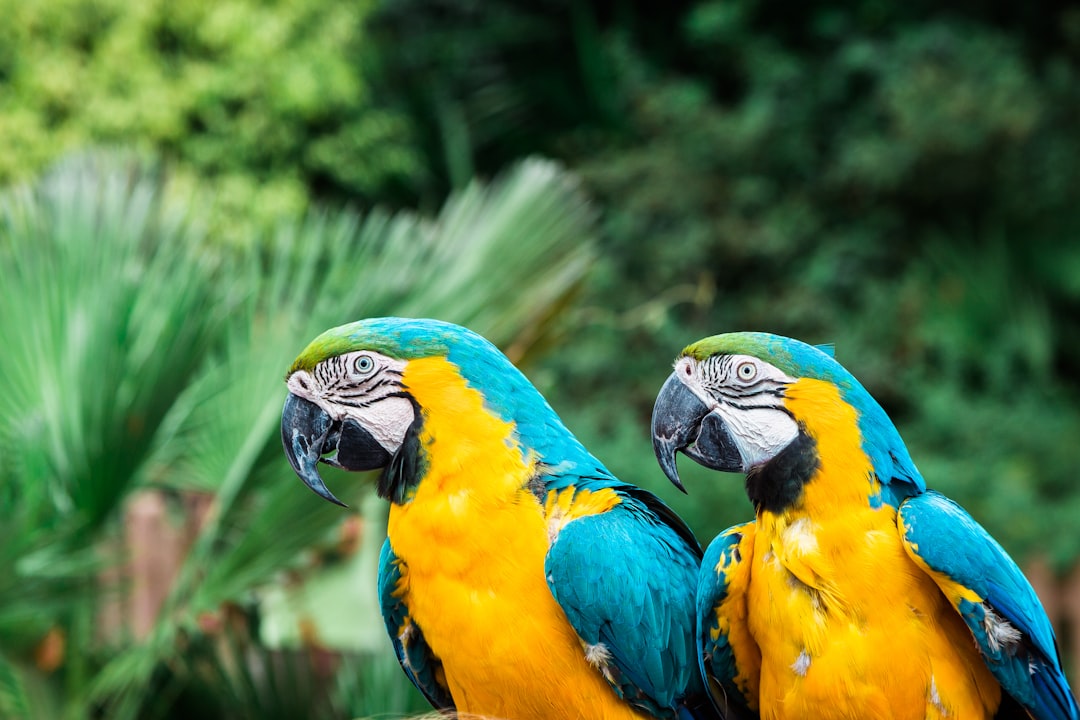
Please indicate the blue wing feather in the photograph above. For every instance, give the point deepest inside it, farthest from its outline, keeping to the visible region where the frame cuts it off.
(416, 658)
(625, 579)
(951, 543)
(716, 656)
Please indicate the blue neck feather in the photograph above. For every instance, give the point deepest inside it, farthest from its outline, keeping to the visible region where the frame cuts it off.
(880, 441)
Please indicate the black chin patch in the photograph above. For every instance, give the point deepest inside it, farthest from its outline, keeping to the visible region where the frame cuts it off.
(778, 484)
(407, 466)
(356, 448)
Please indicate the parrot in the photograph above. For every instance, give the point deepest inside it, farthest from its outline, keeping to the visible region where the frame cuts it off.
(519, 578)
(855, 592)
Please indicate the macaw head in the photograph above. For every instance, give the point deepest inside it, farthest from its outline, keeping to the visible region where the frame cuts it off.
(771, 407)
(381, 393)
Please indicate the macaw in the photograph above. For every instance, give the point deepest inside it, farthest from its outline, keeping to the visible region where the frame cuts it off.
(855, 592)
(520, 578)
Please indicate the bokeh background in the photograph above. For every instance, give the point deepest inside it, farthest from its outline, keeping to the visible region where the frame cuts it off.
(192, 190)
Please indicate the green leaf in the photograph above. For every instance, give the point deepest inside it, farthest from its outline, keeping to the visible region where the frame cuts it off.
(14, 703)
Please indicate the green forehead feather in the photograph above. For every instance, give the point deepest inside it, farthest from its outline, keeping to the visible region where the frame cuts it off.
(793, 357)
(399, 338)
(759, 345)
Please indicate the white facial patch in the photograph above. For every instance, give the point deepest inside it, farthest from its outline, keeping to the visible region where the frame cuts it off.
(388, 420)
(686, 369)
(746, 393)
(302, 384)
(760, 433)
(363, 386)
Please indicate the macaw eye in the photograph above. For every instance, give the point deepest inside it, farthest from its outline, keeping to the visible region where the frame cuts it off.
(363, 364)
(746, 371)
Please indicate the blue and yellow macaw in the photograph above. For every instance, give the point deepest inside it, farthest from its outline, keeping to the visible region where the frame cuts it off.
(855, 592)
(519, 578)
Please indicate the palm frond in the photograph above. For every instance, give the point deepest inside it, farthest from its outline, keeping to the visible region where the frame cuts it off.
(373, 686)
(106, 317)
(13, 698)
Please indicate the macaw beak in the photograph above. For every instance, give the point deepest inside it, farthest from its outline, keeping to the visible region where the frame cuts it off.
(682, 422)
(308, 433)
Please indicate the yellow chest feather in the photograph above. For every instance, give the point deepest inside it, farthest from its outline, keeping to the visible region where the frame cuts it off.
(474, 540)
(847, 625)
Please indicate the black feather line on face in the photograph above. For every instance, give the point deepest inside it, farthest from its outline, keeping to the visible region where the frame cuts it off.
(408, 465)
(778, 484)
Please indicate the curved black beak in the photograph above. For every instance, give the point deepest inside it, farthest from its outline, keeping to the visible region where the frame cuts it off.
(682, 422)
(308, 433)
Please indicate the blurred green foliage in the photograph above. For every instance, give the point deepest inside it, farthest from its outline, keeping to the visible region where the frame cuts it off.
(266, 103)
